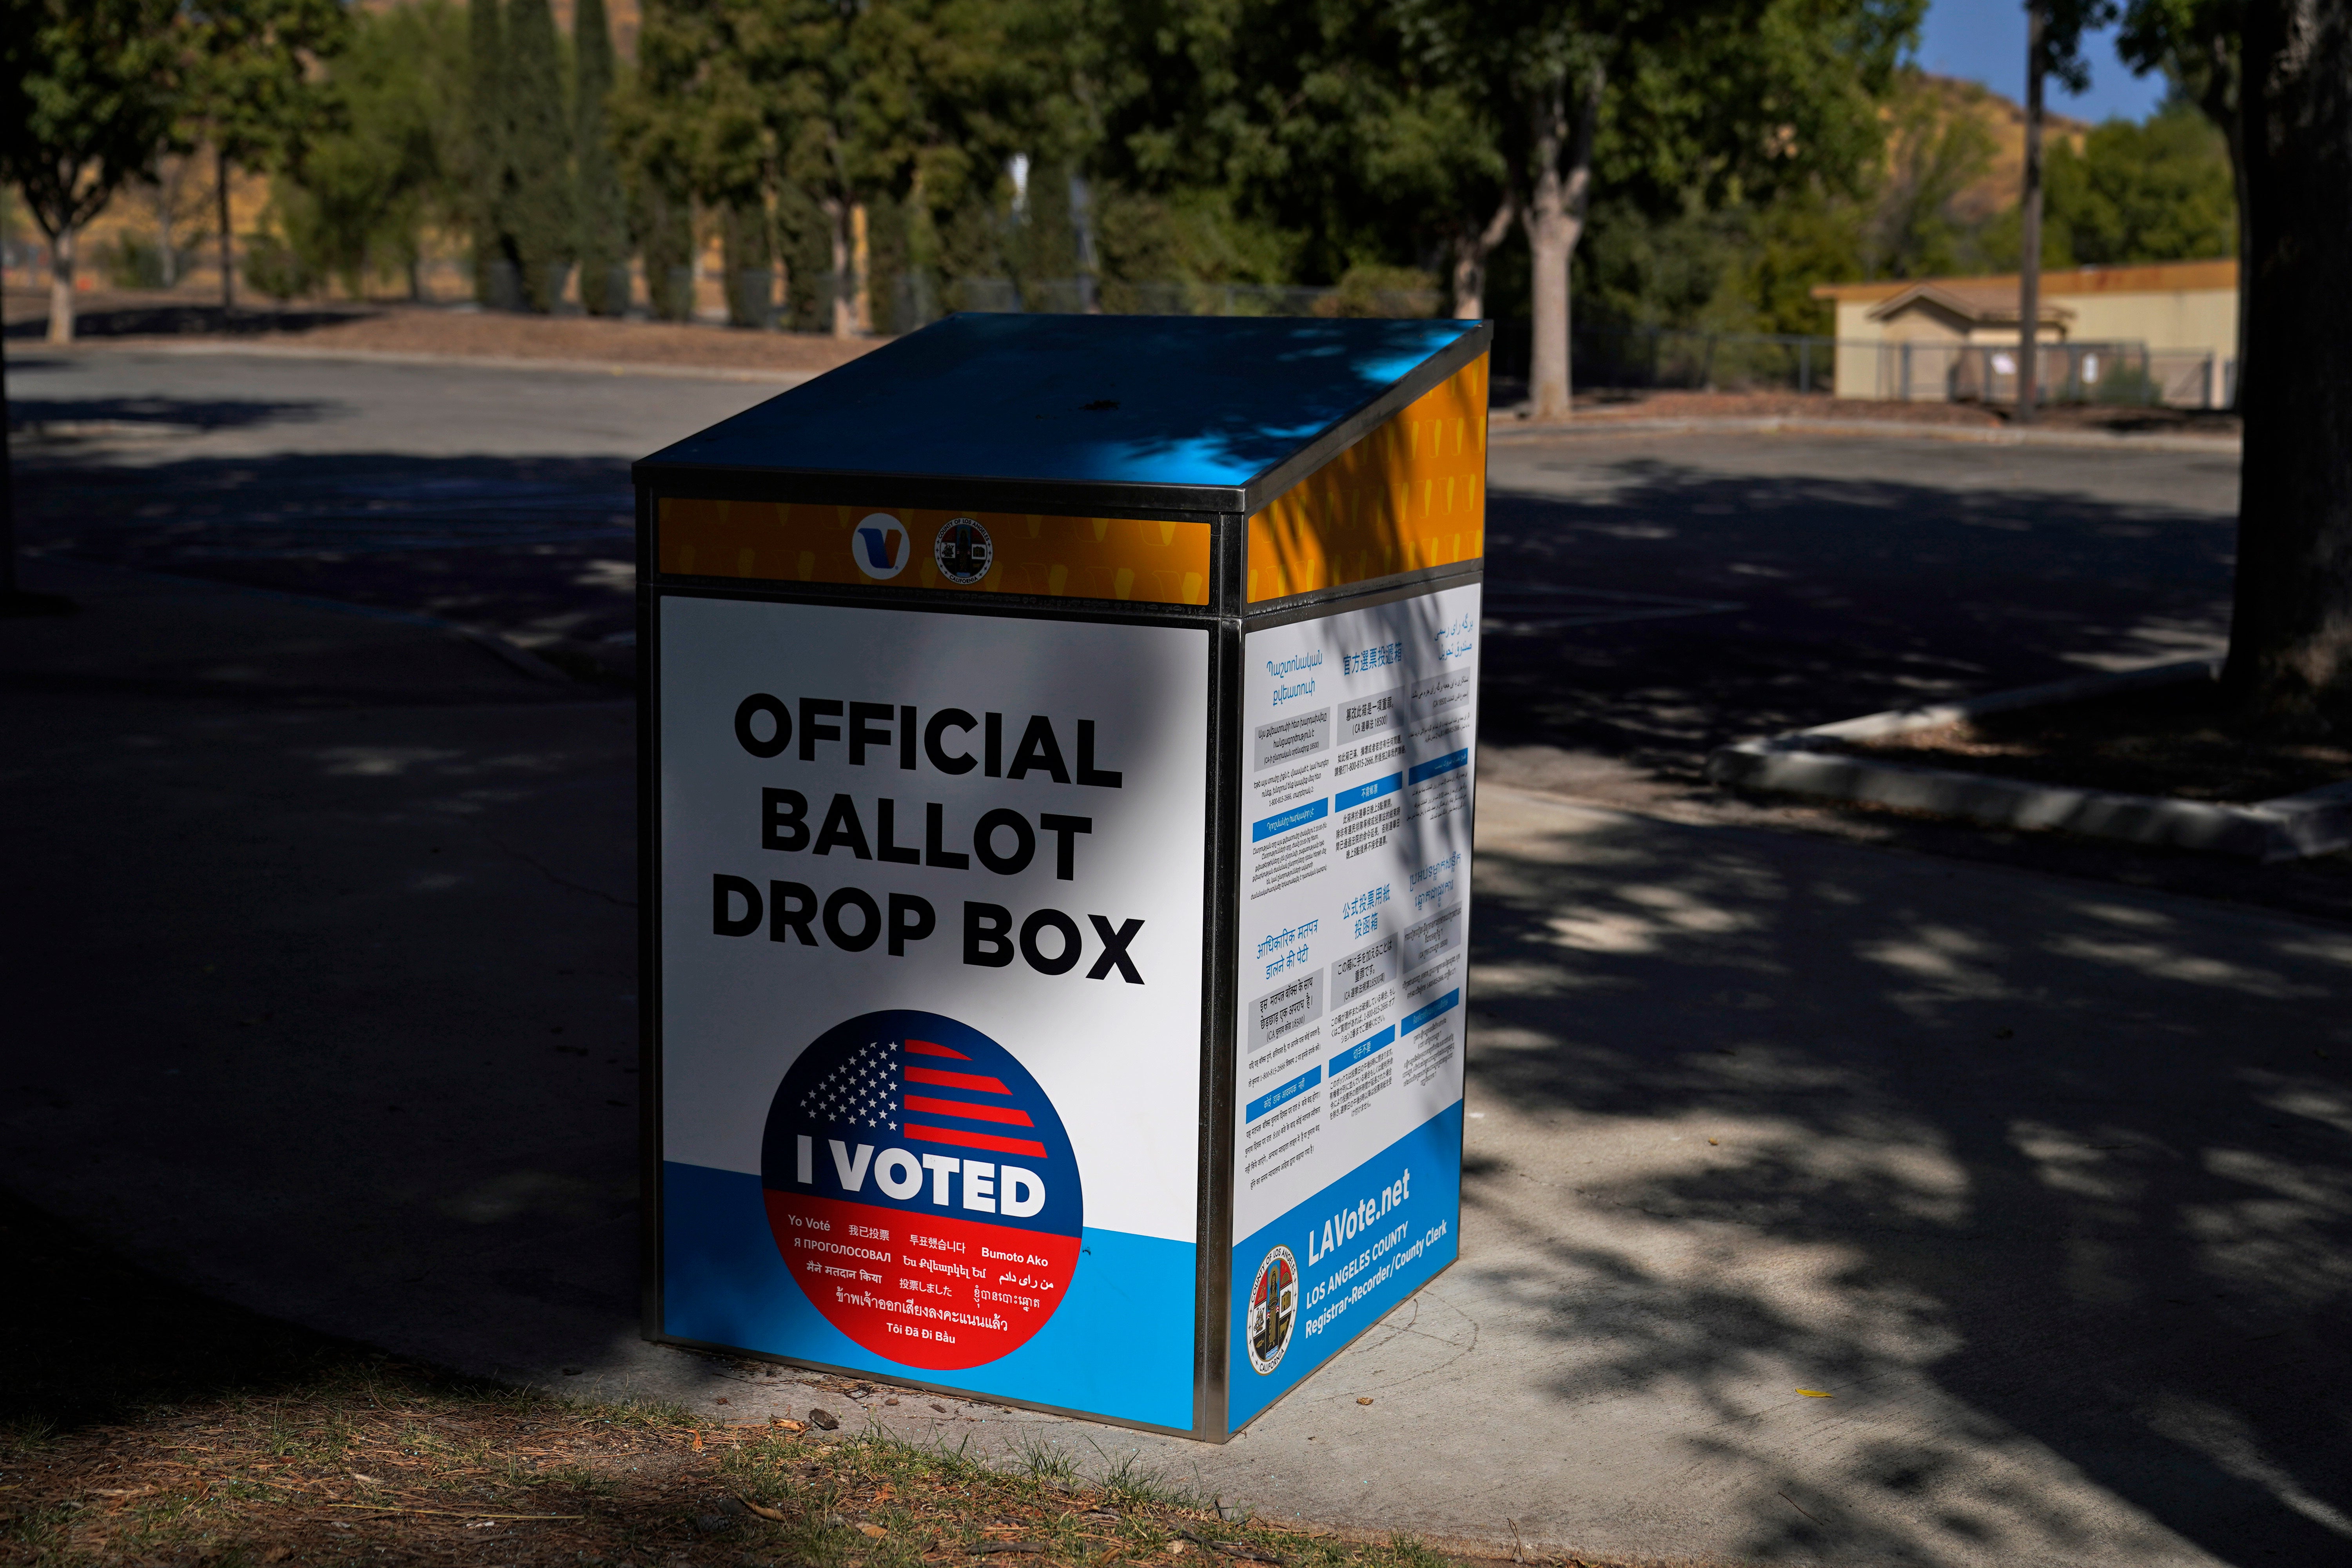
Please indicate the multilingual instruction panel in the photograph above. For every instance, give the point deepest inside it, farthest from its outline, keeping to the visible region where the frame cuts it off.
(1360, 737)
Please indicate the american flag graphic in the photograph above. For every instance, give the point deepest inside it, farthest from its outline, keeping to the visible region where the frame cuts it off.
(921, 1095)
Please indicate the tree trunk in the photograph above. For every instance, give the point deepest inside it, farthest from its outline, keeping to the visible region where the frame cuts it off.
(2029, 228)
(2290, 669)
(861, 267)
(846, 285)
(61, 285)
(1471, 250)
(1554, 220)
(167, 205)
(229, 271)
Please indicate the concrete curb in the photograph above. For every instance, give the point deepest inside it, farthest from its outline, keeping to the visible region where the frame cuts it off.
(1883, 429)
(2317, 822)
(779, 378)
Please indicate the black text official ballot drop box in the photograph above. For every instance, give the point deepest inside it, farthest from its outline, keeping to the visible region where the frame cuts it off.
(1058, 743)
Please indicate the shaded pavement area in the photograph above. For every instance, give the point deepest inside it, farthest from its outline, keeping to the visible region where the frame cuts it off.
(325, 990)
(496, 499)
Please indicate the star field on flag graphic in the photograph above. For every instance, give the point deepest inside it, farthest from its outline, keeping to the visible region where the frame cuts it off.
(864, 1092)
(861, 1091)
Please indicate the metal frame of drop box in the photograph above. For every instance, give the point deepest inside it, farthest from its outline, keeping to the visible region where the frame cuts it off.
(1228, 617)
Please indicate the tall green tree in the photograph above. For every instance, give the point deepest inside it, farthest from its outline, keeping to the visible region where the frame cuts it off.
(2156, 191)
(540, 211)
(601, 209)
(2196, 44)
(90, 92)
(486, 161)
(362, 194)
(924, 100)
(1281, 140)
(255, 91)
(1705, 102)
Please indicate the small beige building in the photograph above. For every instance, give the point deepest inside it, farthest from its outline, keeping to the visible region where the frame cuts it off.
(2167, 329)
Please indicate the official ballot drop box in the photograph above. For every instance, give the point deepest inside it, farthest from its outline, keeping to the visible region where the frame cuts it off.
(1057, 767)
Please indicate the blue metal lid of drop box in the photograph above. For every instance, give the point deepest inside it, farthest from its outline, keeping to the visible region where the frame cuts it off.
(1153, 403)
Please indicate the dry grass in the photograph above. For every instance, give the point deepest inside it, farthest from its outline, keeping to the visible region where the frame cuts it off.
(143, 1422)
(386, 1464)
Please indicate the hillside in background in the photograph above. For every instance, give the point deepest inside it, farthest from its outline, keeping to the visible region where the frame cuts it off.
(2003, 120)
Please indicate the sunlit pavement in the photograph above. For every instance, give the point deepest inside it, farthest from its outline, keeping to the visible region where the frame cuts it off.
(322, 997)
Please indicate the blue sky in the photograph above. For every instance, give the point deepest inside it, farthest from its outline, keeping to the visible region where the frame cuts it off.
(1984, 40)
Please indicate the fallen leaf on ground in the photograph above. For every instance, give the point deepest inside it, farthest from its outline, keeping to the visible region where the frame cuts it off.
(1815, 1393)
(872, 1532)
(1364, 1399)
(764, 1511)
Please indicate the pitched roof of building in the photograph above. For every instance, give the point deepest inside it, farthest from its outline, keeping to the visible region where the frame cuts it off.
(1979, 304)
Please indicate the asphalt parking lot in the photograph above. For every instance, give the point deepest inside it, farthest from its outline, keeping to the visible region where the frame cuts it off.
(1651, 594)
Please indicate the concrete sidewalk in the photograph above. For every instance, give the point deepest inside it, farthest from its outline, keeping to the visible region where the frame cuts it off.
(323, 975)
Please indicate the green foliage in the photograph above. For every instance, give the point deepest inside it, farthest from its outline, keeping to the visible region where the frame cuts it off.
(252, 87)
(806, 242)
(274, 267)
(362, 194)
(133, 261)
(2155, 192)
(537, 211)
(485, 164)
(1370, 290)
(602, 211)
(88, 94)
(748, 261)
(1916, 229)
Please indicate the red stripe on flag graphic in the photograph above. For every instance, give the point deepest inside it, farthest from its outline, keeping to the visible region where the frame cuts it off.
(925, 1048)
(964, 1139)
(966, 1110)
(955, 1080)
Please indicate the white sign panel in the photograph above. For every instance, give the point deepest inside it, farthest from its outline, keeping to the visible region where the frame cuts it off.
(931, 893)
(1360, 732)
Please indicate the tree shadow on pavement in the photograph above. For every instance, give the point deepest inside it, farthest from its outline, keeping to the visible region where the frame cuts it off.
(2049, 1185)
(523, 545)
(1748, 603)
(166, 414)
(177, 317)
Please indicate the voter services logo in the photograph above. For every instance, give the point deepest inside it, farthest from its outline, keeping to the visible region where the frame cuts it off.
(880, 546)
(1273, 1309)
(921, 1190)
(963, 552)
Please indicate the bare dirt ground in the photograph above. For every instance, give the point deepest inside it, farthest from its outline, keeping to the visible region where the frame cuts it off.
(141, 319)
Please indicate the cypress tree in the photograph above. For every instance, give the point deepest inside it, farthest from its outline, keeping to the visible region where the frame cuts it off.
(604, 216)
(487, 167)
(661, 220)
(539, 154)
(748, 261)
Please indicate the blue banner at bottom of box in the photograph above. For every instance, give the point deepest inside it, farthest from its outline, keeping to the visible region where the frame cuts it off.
(1119, 1345)
(1328, 1269)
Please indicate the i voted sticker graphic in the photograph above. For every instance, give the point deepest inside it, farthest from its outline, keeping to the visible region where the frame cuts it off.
(880, 546)
(921, 1190)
